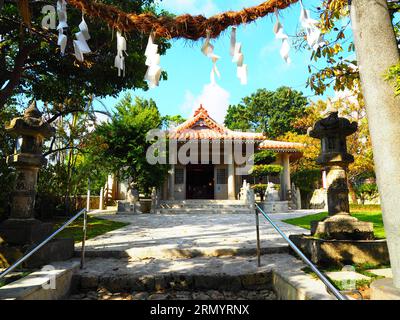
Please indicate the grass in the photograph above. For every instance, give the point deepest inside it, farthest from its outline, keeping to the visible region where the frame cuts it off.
(95, 227)
(370, 213)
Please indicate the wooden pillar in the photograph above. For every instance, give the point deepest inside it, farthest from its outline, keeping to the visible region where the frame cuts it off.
(285, 178)
(171, 185)
(231, 177)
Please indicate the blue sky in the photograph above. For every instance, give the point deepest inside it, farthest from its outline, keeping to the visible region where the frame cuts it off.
(189, 70)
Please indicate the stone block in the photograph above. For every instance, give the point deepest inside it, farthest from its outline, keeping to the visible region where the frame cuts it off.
(384, 289)
(21, 232)
(54, 250)
(275, 206)
(343, 227)
(89, 282)
(342, 252)
(256, 281)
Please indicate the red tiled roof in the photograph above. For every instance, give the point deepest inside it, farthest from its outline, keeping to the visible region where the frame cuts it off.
(280, 145)
(202, 127)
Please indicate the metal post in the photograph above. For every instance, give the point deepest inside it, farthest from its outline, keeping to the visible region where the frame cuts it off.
(258, 239)
(88, 197)
(85, 226)
(83, 239)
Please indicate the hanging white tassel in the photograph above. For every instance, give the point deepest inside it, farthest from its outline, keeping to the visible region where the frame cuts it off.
(238, 58)
(313, 33)
(154, 70)
(62, 18)
(62, 14)
(84, 29)
(119, 61)
(208, 51)
(233, 41)
(80, 44)
(62, 41)
(281, 35)
(242, 74)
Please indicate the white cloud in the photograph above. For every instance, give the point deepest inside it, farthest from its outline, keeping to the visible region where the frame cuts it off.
(271, 47)
(213, 98)
(194, 7)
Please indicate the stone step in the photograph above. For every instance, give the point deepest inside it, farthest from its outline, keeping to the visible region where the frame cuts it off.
(177, 206)
(205, 211)
(228, 273)
(176, 252)
(195, 203)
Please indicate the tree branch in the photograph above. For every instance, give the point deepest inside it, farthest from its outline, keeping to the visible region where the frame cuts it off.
(16, 74)
(62, 149)
(63, 113)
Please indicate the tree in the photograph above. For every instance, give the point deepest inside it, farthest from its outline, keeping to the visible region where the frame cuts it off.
(337, 58)
(172, 121)
(120, 145)
(31, 63)
(271, 112)
(7, 174)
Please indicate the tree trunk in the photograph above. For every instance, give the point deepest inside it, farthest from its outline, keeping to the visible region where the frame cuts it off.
(376, 49)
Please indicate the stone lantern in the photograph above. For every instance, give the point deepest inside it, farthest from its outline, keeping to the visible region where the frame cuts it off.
(332, 131)
(22, 228)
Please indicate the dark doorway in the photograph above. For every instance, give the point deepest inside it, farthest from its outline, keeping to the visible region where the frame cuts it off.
(200, 181)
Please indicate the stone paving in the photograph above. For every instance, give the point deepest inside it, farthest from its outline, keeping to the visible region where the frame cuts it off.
(189, 235)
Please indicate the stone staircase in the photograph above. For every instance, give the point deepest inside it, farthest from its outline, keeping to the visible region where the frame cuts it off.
(203, 207)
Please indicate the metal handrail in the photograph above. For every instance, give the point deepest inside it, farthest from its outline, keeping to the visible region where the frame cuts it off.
(50, 237)
(326, 282)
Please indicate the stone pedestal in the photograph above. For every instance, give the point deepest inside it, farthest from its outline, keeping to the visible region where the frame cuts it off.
(275, 206)
(343, 227)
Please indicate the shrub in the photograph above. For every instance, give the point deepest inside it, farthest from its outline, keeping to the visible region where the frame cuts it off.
(263, 170)
(259, 189)
(367, 191)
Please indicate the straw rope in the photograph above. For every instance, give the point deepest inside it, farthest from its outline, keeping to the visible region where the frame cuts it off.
(184, 26)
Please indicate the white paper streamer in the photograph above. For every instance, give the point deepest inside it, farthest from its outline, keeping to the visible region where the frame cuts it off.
(233, 41)
(80, 44)
(119, 61)
(281, 35)
(314, 36)
(238, 58)
(208, 51)
(62, 14)
(154, 70)
(62, 24)
(62, 41)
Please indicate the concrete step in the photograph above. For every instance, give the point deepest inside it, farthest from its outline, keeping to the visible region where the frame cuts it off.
(204, 206)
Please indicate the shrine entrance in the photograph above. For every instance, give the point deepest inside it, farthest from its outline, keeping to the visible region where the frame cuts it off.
(200, 181)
